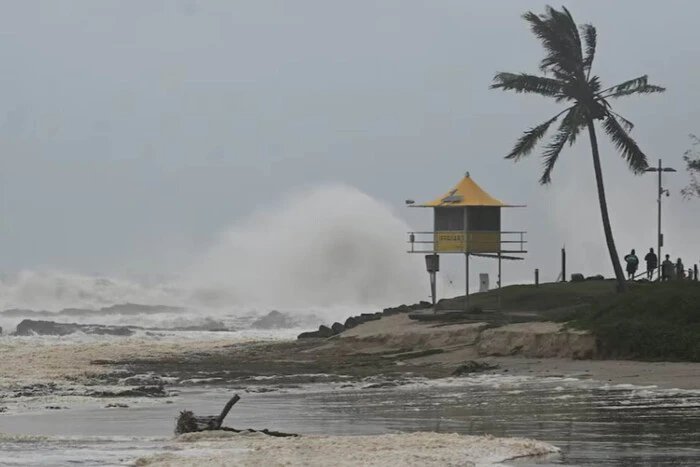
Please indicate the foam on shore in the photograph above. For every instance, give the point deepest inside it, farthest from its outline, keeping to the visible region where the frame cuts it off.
(405, 449)
(43, 359)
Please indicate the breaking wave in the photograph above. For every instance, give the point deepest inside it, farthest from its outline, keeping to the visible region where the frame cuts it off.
(327, 247)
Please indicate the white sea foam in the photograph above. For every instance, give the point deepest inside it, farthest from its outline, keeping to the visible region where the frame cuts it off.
(44, 359)
(37, 450)
(405, 449)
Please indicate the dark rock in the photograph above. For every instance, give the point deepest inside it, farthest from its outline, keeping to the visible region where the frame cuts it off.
(337, 328)
(29, 327)
(397, 310)
(473, 367)
(141, 391)
(116, 405)
(324, 331)
(309, 335)
(351, 322)
(274, 320)
(577, 277)
(37, 389)
(55, 407)
(370, 316)
(597, 277)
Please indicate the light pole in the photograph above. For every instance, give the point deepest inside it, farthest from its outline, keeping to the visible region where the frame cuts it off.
(661, 192)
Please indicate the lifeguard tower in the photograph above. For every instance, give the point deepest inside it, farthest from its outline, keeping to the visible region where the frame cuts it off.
(467, 220)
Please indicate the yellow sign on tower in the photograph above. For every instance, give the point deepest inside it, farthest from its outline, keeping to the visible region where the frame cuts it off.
(449, 242)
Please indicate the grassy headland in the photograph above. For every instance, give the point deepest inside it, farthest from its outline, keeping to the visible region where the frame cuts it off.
(650, 322)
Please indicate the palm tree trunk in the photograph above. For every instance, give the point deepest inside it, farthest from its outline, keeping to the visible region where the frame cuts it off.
(619, 275)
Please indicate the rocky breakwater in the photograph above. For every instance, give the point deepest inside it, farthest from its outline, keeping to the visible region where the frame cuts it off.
(336, 328)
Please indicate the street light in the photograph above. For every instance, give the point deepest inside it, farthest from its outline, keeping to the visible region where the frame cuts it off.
(661, 192)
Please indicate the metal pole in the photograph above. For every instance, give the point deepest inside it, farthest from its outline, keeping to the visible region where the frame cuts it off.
(466, 282)
(499, 281)
(563, 264)
(466, 260)
(537, 277)
(658, 231)
(659, 235)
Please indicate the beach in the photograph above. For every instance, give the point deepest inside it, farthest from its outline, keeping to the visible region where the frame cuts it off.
(368, 379)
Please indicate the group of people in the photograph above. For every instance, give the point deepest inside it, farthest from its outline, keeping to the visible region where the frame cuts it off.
(669, 270)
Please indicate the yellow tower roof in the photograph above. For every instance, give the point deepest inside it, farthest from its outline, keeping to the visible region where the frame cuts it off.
(465, 193)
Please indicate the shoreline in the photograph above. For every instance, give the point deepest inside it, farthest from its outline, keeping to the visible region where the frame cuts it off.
(387, 351)
(368, 367)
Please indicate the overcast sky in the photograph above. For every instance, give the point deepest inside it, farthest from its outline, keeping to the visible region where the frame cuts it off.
(133, 132)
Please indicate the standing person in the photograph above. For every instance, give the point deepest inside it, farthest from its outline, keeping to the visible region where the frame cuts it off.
(632, 263)
(680, 270)
(666, 269)
(652, 263)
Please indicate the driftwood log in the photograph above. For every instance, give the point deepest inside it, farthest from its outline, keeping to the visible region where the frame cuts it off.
(188, 422)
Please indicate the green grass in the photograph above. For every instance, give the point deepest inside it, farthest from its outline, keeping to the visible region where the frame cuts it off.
(545, 297)
(649, 322)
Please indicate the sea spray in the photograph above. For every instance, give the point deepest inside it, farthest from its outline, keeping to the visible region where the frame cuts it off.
(331, 250)
(332, 245)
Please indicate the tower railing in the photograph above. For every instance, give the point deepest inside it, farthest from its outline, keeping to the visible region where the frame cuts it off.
(471, 241)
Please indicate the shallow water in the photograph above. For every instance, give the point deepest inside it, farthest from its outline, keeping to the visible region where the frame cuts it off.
(592, 423)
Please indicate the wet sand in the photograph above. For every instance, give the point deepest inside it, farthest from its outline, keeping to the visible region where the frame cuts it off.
(375, 370)
(392, 347)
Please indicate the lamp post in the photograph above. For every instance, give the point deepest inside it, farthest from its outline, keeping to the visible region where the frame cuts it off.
(661, 192)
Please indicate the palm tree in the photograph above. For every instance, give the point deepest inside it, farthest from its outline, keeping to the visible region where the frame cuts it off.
(567, 69)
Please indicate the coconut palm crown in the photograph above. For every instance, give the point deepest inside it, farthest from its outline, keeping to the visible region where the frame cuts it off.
(568, 79)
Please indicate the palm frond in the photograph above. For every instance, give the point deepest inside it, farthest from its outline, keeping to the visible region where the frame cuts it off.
(524, 83)
(575, 120)
(634, 156)
(590, 37)
(526, 143)
(625, 123)
(554, 30)
(633, 86)
(594, 84)
(629, 84)
(567, 20)
(642, 89)
(552, 151)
